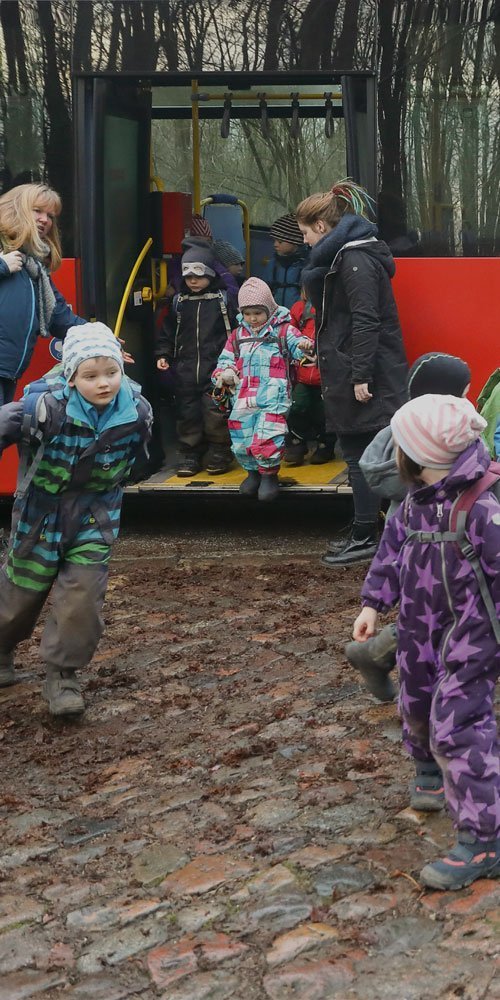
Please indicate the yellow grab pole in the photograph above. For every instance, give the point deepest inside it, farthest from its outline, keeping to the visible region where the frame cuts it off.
(128, 286)
(195, 119)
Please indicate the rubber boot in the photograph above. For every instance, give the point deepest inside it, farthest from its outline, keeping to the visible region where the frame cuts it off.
(250, 486)
(62, 692)
(426, 789)
(269, 487)
(7, 672)
(375, 659)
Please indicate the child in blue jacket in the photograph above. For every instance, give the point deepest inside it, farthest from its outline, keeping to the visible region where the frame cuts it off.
(80, 432)
(283, 271)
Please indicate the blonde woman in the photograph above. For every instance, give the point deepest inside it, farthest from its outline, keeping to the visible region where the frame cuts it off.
(30, 304)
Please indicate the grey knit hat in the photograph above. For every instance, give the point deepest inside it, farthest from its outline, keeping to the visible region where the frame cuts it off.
(89, 340)
(227, 253)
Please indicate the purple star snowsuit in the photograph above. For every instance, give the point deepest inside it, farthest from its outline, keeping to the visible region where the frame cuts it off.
(448, 656)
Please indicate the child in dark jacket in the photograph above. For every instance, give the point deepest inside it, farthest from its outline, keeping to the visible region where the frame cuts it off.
(283, 271)
(306, 420)
(81, 430)
(448, 652)
(192, 337)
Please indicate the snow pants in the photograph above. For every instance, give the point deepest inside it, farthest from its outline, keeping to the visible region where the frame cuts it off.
(258, 439)
(59, 545)
(448, 716)
(198, 420)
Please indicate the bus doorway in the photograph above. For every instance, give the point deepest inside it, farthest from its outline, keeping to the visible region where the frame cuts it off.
(165, 146)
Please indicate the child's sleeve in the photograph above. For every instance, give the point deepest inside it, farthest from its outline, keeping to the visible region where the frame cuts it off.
(381, 588)
(11, 421)
(165, 341)
(227, 357)
(292, 342)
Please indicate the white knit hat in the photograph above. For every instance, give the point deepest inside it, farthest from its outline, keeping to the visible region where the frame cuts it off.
(433, 429)
(254, 292)
(89, 340)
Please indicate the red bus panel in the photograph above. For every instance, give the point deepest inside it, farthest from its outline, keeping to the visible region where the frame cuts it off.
(66, 280)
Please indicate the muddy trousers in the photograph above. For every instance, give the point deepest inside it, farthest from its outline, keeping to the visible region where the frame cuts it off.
(74, 624)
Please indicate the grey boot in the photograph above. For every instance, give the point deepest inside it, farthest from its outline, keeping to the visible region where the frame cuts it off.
(374, 659)
(269, 487)
(62, 691)
(426, 789)
(7, 672)
(250, 486)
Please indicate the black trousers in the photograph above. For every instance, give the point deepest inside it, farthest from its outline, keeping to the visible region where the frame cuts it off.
(366, 502)
(199, 421)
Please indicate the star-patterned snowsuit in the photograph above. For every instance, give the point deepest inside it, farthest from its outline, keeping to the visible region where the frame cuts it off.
(448, 656)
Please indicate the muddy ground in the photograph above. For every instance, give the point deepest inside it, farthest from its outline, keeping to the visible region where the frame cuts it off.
(230, 818)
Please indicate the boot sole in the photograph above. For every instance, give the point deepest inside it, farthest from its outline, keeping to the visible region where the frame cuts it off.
(346, 562)
(433, 880)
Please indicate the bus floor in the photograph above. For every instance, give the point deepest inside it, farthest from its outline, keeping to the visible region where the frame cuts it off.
(307, 478)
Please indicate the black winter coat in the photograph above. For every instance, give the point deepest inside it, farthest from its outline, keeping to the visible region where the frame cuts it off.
(358, 334)
(194, 333)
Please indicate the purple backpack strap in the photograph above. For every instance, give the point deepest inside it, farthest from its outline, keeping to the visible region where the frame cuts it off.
(457, 528)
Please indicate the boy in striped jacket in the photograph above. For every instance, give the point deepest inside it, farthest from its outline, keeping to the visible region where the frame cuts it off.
(81, 431)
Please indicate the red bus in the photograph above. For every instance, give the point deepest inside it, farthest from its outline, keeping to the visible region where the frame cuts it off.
(139, 112)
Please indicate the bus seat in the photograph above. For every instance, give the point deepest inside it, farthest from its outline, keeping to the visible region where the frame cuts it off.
(262, 249)
(226, 223)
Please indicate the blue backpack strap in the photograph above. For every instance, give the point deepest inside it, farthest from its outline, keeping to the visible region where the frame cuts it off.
(31, 434)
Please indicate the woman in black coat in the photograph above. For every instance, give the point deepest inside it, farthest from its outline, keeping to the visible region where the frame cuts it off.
(361, 354)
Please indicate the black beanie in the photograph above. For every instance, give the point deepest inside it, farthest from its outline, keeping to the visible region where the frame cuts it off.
(438, 373)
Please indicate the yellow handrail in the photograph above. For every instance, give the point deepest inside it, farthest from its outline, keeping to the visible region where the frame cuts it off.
(128, 286)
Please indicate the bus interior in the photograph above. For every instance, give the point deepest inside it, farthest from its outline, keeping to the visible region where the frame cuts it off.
(237, 149)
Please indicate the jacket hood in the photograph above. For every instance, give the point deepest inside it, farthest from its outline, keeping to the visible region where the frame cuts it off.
(470, 465)
(281, 315)
(351, 227)
(378, 465)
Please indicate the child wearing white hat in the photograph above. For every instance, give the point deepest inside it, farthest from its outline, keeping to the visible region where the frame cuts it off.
(81, 430)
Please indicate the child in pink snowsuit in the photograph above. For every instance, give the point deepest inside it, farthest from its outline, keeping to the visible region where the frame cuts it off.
(448, 588)
(254, 364)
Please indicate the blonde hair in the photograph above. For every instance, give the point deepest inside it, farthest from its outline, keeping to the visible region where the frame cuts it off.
(345, 197)
(18, 227)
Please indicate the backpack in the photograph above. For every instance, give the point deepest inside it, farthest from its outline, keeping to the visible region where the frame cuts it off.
(457, 533)
(33, 433)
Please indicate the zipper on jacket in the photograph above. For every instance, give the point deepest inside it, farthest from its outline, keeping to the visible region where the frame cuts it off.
(450, 605)
(30, 328)
(198, 343)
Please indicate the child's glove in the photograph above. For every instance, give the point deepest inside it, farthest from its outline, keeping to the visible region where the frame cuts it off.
(306, 345)
(227, 377)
